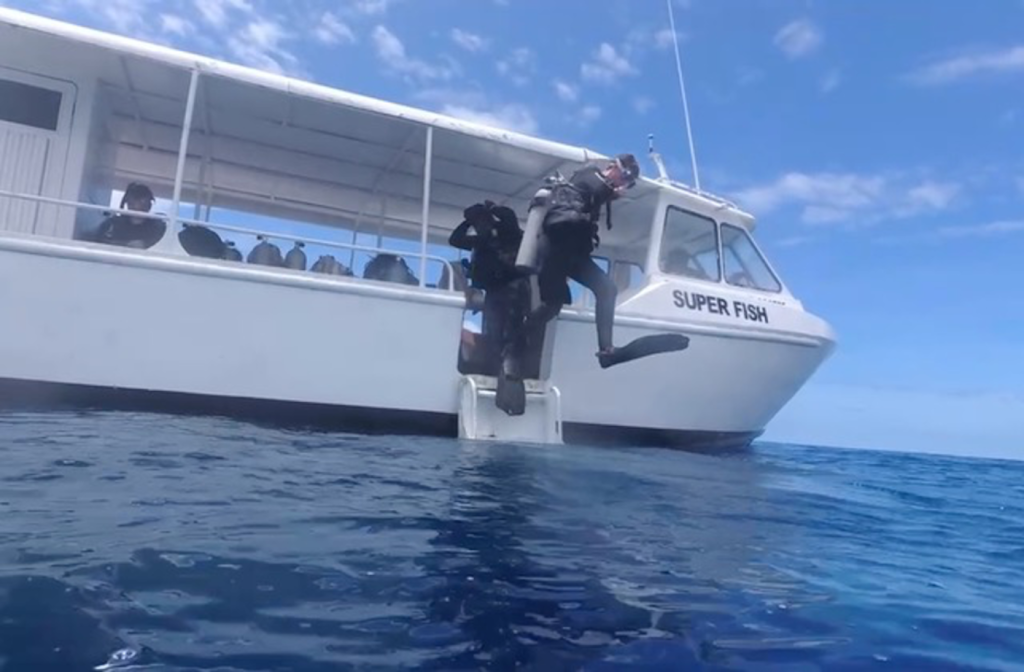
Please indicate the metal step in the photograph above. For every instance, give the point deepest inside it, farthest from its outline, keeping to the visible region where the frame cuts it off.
(481, 420)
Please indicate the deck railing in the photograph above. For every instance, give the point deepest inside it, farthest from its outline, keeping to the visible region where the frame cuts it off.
(257, 233)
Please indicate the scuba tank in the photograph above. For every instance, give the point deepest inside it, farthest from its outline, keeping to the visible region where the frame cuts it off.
(231, 252)
(296, 258)
(265, 253)
(528, 257)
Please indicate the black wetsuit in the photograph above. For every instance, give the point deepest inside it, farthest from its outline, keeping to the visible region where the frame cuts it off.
(571, 228)
(494, 244)
(127, 231)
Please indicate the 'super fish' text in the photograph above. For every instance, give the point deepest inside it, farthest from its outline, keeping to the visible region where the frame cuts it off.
(719, 306)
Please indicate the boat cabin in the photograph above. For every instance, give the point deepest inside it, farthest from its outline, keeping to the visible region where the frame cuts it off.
(262, 158)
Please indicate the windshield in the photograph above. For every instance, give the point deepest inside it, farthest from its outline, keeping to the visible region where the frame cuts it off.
(689, 246)
(744, 264)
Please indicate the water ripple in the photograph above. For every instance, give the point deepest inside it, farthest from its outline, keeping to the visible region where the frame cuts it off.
(139, 542)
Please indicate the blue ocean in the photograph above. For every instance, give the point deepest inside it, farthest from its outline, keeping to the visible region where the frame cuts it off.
(132, 541)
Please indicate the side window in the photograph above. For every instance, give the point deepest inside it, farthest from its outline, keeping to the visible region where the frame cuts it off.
(581, 296)
(689, 246)
(627, 274)
(636, 275)
(744, 265)
(29, 105)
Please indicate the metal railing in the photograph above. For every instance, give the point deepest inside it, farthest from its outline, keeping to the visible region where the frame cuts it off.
(107, 210)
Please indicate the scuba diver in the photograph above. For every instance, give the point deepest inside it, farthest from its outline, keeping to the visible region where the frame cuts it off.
(492, 235)
(570, 210)
(132, 231)
(570, 227)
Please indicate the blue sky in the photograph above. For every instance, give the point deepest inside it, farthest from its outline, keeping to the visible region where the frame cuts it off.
(878, 143)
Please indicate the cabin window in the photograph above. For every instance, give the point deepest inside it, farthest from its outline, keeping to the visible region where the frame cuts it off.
(626, 274)
(744, 264)
(581, 296)
(29, 105)
(689, 246)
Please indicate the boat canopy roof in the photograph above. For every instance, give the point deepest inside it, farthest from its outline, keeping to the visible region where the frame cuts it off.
(272, 144)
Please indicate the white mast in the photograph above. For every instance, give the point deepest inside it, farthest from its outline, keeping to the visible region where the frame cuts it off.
(682, 90)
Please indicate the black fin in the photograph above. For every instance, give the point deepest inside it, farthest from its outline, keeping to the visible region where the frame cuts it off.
(511, 395)
(643, 347)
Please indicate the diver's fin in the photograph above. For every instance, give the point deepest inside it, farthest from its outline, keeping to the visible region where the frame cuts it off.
(510, 396)
(643, 347)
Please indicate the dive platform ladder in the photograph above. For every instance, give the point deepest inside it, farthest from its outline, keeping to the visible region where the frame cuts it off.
(481, 419)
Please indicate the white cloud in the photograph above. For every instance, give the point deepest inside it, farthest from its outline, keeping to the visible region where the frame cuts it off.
(927, 196)
(830, 82)
(518, 66)
(794, 241)
(830, 198)
(122, 16)
(368, 7)
(643, 104)
(476, 106)
(606, 66)
(215, 12)
(391, 51)
(332, 30)
(229, 29)
(468, 41)
(798, 38)
(663, 38)
(258, 44)
(175, 25)
(389, 48)
(1000, 228)
(1007, 61)
(512, 116)
(746, 75)
(566, 92)
(589, 114)
(839, 190)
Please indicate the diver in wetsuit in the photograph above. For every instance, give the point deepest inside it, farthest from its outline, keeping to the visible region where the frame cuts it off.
(127, 230)
(571, 229)
(492, 234)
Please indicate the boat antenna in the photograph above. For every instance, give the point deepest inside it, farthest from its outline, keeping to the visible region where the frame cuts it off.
(656, 158)
(682, 90)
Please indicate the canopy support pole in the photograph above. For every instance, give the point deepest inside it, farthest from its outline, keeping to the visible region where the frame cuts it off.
(170, 240)
(428, 161)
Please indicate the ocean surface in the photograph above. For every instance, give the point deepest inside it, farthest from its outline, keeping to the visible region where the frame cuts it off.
(168, 543)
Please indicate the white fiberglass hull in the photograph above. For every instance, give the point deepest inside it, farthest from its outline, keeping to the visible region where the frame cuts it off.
(85, 321)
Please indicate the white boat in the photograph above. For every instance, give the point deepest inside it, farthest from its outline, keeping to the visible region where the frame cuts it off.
(83, 113)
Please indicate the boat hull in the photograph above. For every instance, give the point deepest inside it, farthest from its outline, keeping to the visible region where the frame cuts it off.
(97, 327)
(38, 396)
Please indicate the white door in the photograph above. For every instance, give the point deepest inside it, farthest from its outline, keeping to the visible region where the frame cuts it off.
(35, 124)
